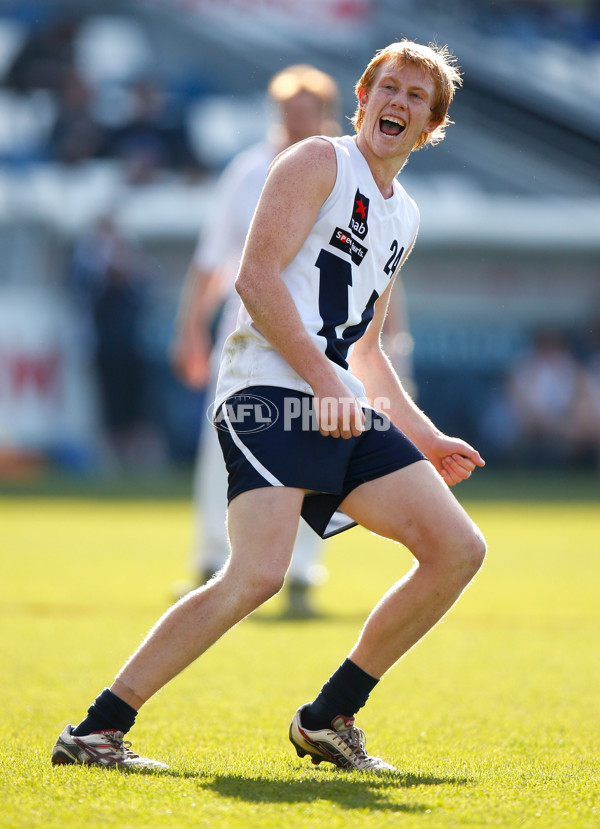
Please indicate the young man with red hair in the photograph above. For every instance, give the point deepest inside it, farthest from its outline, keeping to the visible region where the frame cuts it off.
(332, 228)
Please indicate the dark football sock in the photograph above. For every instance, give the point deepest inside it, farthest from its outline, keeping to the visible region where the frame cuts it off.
(106, 712)
(345, 692)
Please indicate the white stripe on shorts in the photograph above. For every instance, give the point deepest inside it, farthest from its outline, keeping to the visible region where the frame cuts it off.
(252, 459)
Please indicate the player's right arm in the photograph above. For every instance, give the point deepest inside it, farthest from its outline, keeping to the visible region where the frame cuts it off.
(299, 182)
(205, 285)
(190, 350)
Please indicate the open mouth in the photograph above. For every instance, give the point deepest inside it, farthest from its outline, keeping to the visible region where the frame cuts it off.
(390, 126)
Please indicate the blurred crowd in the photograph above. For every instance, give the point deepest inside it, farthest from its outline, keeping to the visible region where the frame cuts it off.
(577, 21)
(133, 119)
(81, 100)
(546, 412)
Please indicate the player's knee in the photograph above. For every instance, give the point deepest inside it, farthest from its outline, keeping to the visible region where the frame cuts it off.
(263, 585)
(471, 552)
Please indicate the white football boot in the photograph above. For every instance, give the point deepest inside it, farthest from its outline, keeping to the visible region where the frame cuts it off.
(102, 748)
(343, 744)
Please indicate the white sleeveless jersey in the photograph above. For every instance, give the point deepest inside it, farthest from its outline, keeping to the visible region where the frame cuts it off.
(343, 267)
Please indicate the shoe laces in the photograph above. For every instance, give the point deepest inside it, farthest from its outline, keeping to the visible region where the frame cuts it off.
(115, 738)
(355, 739)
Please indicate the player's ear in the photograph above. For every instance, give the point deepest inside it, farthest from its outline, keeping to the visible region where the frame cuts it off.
(362, 98)
(431, 126)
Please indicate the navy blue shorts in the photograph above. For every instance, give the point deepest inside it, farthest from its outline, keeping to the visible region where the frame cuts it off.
(269, 437)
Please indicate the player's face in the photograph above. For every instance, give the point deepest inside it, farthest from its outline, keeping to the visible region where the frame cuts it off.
(397, 109)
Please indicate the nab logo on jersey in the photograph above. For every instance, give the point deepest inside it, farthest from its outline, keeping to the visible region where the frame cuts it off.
(358, 220)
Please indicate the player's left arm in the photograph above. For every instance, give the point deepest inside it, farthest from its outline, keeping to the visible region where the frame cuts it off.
(453, 458)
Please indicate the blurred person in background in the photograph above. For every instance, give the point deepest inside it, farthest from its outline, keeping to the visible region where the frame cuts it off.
(77, 135)
(154, 139)
(544, 391)
(587, 427)
(305, 102)
(45, 58)
(109, 280)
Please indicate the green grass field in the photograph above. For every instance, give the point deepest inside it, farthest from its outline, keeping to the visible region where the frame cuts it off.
(493, 720)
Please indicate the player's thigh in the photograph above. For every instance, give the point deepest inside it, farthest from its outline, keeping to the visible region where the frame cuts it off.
(414, 506)
(262, 525)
